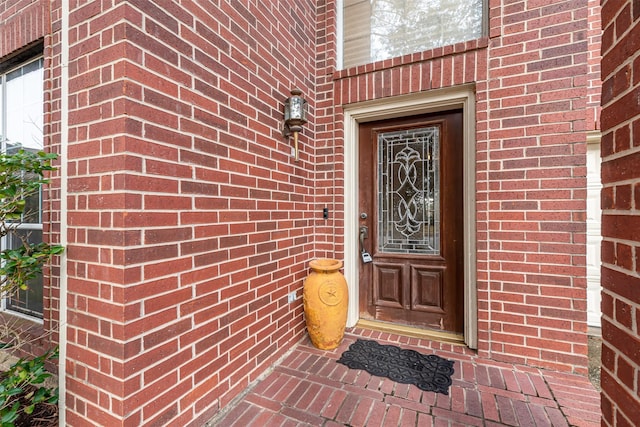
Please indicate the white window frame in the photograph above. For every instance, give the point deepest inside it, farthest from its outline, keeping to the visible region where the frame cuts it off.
(17, 64)
(340, 19)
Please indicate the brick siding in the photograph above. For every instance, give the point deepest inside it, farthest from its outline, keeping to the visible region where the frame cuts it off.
(188, 221)
(621, 213)
(532, 179)
(594, 88)
(532, 78)
(23, 22)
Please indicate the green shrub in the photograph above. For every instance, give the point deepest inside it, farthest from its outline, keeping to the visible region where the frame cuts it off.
(21, 389)
(21, 177)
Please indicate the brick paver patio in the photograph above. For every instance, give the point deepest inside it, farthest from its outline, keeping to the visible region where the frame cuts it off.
(309, 388)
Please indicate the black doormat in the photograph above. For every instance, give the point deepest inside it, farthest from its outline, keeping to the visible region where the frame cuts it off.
(428, 372)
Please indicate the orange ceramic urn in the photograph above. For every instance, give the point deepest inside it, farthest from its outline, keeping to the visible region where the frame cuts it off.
(325, 298)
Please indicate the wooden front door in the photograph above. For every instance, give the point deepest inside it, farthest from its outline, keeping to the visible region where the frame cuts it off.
(411, 221)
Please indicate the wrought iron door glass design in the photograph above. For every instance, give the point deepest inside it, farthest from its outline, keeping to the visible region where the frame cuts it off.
(409, 191)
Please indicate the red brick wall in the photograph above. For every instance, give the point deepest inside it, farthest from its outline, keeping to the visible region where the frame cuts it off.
(329, 152)
(621, 219)
(51, 197)
(188, 220)
(22, 22)
(532, 180)
(532, 78)
(594, 87)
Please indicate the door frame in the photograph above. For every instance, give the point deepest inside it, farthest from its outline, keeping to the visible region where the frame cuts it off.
(459, 97)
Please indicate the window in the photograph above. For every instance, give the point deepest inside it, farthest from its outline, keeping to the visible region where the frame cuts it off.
(21, 125)
(381, 29)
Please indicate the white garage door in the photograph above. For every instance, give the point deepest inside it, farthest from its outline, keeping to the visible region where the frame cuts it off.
(593, 233)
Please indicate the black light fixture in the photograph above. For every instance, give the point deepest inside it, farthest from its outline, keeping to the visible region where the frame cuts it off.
(295, 115)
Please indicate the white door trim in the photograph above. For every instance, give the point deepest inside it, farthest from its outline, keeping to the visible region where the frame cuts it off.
(460, 97)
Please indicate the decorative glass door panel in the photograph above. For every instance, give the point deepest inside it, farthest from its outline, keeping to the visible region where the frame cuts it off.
(409, 191)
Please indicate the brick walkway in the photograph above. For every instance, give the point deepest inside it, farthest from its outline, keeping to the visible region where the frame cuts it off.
(309, 388)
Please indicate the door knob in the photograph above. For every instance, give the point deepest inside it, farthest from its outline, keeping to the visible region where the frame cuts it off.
(363, 215)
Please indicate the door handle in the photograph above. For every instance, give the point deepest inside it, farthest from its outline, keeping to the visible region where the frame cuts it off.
(364, 234)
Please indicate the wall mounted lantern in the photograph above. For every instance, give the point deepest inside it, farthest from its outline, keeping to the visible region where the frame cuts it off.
(295, 115)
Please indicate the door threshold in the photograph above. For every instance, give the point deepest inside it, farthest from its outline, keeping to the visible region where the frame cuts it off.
(411, 331)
